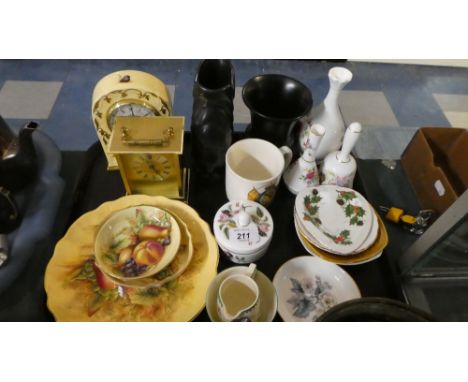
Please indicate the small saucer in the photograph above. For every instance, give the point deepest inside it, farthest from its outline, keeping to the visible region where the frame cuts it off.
(269, 300)
(308, 286)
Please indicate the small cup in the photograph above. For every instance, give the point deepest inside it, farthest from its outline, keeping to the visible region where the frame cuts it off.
(238, 297)
(254, 168)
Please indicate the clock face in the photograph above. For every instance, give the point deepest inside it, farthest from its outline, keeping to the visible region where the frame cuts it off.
(151, 167)
(129, 110)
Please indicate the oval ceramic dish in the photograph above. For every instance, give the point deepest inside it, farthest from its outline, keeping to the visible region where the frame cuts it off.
(368, 242)
(308, 286)
(339, 218)
(371, 253)
(133, 228)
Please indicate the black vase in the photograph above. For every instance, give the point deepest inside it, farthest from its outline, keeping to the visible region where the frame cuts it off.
(212, 117)
(277, 104)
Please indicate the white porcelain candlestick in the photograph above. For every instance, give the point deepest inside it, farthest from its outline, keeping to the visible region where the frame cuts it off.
(328, 114)
(303, 173)
(339, 167)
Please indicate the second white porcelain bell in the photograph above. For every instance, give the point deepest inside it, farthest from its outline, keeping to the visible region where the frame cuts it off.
(303, 173)
(339, 167)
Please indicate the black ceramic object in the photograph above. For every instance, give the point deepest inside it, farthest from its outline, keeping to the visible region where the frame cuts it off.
(9, 215)
(18, 161)
(277, 103)
(375, 309)
(212, 117)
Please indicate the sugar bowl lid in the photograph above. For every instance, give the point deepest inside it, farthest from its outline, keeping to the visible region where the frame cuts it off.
(243, 226)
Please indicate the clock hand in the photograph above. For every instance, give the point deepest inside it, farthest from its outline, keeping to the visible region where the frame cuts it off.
(131, 108)
(151, 166)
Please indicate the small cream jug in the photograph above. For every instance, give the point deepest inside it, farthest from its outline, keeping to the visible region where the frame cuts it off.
(229, 302)
(304, 173)
(339, 167)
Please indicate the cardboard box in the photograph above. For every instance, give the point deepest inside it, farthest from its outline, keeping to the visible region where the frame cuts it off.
(436, 163)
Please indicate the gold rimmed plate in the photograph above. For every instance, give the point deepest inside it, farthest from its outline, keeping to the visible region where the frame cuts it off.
(76, 292)
(367, 243)
(338, 218)
(372, 253)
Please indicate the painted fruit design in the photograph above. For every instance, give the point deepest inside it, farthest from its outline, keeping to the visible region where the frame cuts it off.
(140, 244)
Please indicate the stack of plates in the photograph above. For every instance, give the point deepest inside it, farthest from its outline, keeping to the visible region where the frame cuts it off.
(337, 224)
(138, 258)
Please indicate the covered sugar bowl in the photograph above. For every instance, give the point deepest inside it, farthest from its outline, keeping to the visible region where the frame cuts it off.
(243, 230)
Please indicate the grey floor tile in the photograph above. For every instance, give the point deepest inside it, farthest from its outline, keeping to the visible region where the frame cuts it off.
(28, 99)
(370, 108)
(377, 143)
(452, 102)
(454, 107)
(414, 106)
(241, 112)
(457, 118)
(367, 147)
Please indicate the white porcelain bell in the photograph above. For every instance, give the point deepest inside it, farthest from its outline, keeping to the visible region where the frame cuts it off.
(339, 167)
(328, 114)
(303, 173)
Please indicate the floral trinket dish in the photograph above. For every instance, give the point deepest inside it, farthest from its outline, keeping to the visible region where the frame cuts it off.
(308, 286)
(338, 218)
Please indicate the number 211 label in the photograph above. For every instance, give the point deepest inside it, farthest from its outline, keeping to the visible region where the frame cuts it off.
(244, 235)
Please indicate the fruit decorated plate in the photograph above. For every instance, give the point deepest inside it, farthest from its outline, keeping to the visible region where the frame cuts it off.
(136, 242)
(176, 267)
(77, 291)
(339, 218)
(371, 253)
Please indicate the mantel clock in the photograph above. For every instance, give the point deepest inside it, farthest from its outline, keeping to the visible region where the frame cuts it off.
(147, 151)
(126, 93)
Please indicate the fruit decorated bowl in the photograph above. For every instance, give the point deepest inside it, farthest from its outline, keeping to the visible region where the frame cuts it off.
(137, 242)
